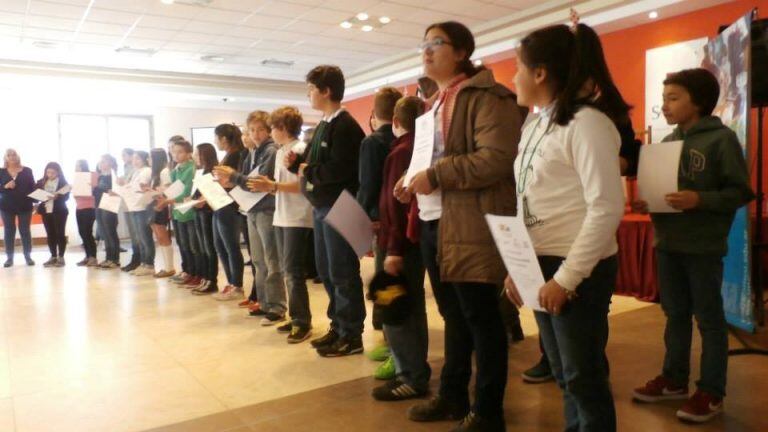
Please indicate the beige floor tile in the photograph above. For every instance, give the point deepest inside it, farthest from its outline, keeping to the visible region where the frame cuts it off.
(7, 421)
(131, 403)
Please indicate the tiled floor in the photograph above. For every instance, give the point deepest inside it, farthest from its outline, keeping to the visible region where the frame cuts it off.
(90, 350)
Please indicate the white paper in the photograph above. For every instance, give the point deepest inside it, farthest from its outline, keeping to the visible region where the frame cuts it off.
(64, 189)
(48, 206)
(81, 185)
(349, 219)
(198, 173)
(246, 199)
(657, 174)
(41, 195)
(514, 244)
(187, 205)
(133, 197)
(174, 190)
(423, 146)
(214, 194)
(110, 203)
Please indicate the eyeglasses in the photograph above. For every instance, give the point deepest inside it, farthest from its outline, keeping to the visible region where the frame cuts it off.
(434, 43)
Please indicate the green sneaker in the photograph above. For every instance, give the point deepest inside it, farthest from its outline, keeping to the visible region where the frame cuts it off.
(380, 353)
(386, 370)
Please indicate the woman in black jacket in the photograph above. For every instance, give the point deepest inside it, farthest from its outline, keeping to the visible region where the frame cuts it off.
(16, 182)
(55, 212)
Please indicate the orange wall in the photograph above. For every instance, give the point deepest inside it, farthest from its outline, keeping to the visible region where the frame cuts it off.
(625, 53)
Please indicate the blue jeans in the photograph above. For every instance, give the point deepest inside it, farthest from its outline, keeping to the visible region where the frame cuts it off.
(339, 268)
(143, 236)
(9, 231)
(107, 227)
(210, 261)
(268, 284)
(575, 344)
(292, 245)
(135, 242)
(409, 340)
(690, 286)
(227, 225)
(189, 246)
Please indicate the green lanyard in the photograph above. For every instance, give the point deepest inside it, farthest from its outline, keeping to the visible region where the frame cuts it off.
(524, 172)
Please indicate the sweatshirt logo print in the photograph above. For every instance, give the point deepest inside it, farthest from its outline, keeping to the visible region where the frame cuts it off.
(696, 163)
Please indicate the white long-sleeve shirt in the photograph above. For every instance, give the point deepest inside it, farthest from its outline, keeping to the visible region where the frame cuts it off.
(139, 177)
(572, 197)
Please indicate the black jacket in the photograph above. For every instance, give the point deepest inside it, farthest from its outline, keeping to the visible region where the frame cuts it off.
(59, 203)
(373, 152)
(337, 164)
(263, 159)
(16, 200)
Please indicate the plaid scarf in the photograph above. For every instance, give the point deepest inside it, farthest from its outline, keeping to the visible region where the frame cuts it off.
(447, 100)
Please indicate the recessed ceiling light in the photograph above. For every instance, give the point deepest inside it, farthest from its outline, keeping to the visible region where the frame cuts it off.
(366, 28)
(213, 58)
(149, 52)
(385, 20)
(362, 16)
(166, 1)
(478, 62)
(45, 44)
(653, 15)
(346, 24)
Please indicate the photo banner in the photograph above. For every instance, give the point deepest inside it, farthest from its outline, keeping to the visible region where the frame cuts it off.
(728, 57)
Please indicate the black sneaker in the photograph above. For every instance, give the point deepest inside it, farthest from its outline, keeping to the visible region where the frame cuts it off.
(130, 267)
(538, 374)
(8, 263)
(257, 313)
(299, 334)
(396, 390)
(285, 328)
(474, 423)
(271, 319)
(437, 409)
(343, 346)
(326, 340)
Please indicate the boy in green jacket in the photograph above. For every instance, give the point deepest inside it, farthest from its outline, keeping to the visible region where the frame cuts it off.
(713, 183)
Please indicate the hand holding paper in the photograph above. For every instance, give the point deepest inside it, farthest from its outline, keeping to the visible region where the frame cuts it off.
(657, 175)
(41, 195)
(174, 190)
(214, 194)
(516, 249)
(82, 184)
(423, 145)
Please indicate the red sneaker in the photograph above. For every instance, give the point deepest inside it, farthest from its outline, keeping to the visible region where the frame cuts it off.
(193, 282)
(254, 307)
(659, 389)
(245, 303)
(700, 408)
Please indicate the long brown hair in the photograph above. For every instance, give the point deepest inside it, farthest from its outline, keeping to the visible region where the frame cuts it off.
(207, 155)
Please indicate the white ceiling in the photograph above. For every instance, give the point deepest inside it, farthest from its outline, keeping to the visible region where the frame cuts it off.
(245, 32)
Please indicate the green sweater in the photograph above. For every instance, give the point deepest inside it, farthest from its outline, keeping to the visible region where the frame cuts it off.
(185, 173)
(712, 164)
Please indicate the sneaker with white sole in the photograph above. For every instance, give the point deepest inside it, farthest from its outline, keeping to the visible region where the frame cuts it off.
(230, 293)
(144, 270)
(271, 319)
(700, 408)
(660, 389)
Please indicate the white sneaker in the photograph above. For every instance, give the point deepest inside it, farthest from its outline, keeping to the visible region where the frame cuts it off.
(144, 271)
(230, 293)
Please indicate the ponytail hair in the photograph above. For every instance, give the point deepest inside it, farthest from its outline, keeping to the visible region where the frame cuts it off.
(576, 71)
(461, 39)
(233, 134)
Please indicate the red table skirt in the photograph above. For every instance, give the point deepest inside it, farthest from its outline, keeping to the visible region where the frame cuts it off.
(637, 260)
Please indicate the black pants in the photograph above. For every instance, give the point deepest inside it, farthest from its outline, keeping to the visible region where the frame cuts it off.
(85, 219)
(55, 228)
(472, 323)
(204, 227)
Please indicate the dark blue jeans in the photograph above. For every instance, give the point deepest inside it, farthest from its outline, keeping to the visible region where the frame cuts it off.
(227, 225)
(107, 227)
(210, 261)
(9, 231)
(409, 340)
(143, 235)
(339, 268)
(55, 228)
(690, 286)
(189, 247)
(575, 344)
(292, 244)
